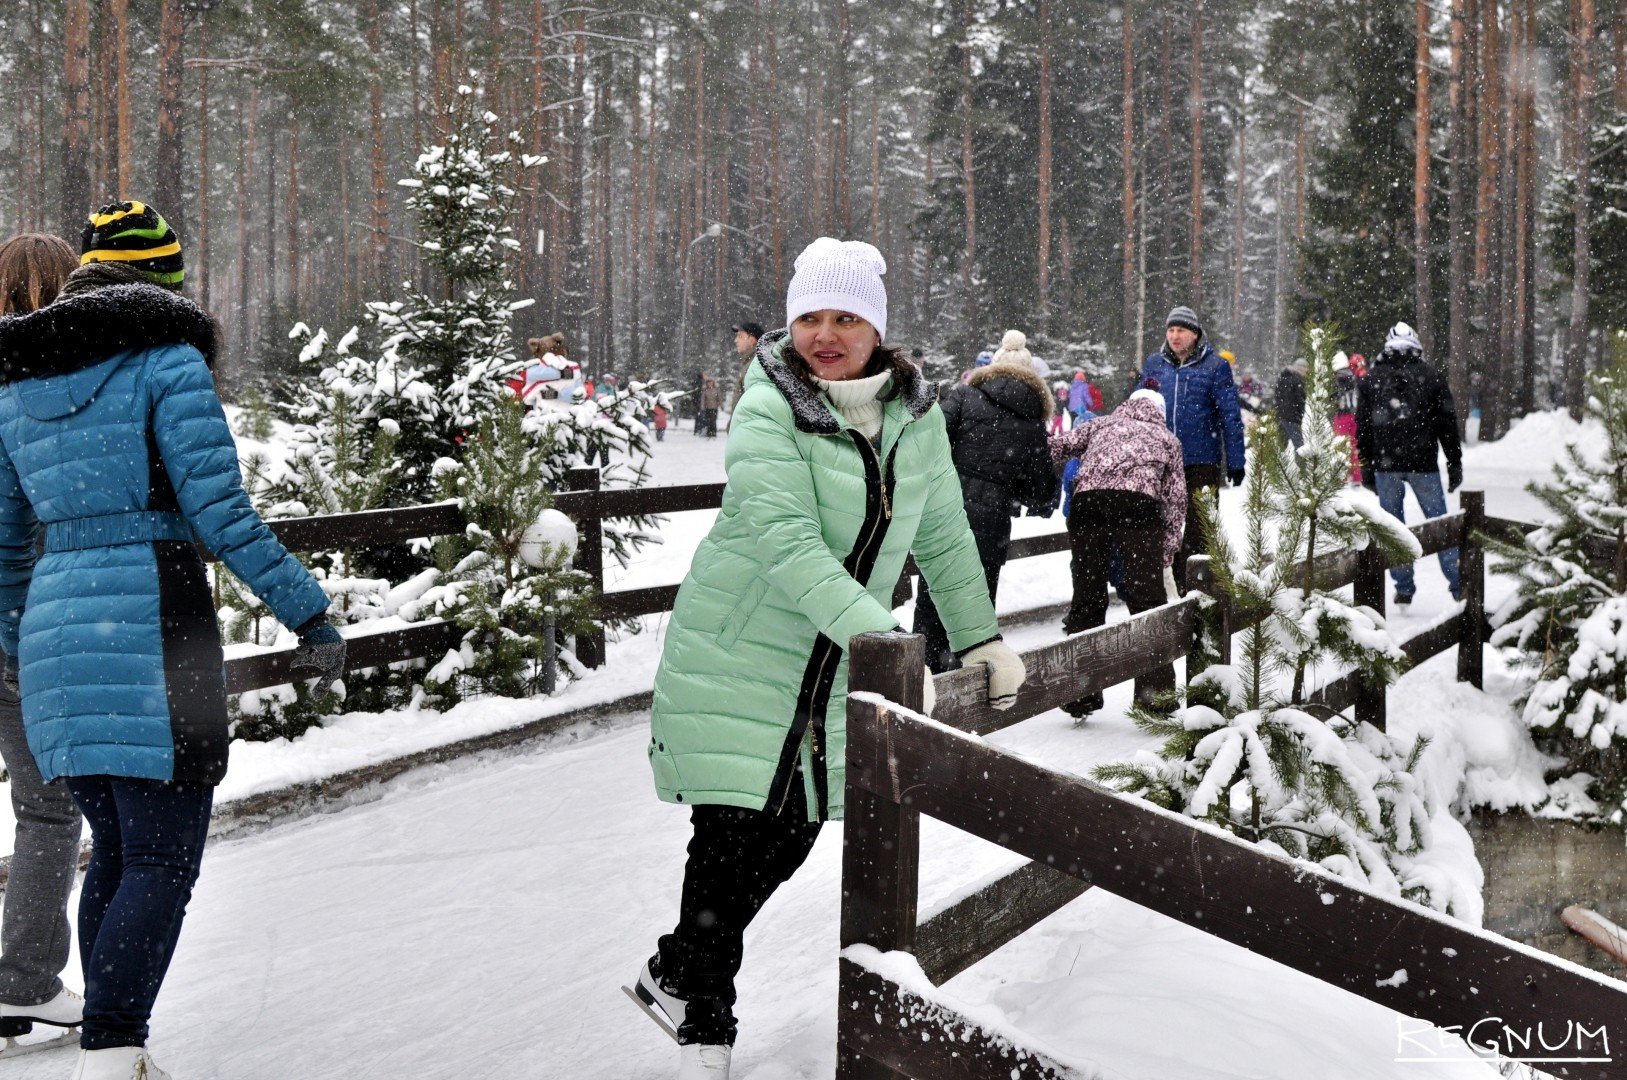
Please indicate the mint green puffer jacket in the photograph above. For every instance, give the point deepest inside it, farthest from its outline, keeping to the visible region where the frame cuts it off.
(815, 526)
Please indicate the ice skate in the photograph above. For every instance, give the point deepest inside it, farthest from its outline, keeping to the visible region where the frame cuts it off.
(120, 1063)
(701, 1061)
(67, 1009)
(666, 1009)
(12, 1043)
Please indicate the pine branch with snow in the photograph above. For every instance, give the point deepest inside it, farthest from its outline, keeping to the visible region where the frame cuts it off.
(1566, 624)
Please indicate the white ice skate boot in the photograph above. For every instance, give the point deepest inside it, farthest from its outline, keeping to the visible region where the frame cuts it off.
(699, 1061)
(67, 1009)
(665, 1008)
(121, 1063)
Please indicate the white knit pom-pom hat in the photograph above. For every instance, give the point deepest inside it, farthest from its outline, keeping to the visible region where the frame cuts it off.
(840, 274)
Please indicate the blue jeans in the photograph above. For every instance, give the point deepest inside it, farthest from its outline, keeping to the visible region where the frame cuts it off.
(147, 842)
(1426, 487)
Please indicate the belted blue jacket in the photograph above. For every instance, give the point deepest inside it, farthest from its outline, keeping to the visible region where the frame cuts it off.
(1200, 404)
(113, 441)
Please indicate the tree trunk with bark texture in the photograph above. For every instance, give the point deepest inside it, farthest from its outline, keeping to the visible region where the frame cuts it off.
(121, 53)
(1461, 227)
(75, 167)
(1194, 270)
(167, 178)
(1128, 155)
(1423, 294)
(1582, 24)
(1044, 253)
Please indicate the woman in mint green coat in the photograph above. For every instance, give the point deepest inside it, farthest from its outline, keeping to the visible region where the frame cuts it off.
(838, 468)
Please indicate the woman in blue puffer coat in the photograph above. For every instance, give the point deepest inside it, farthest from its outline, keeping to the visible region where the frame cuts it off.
(112, 439)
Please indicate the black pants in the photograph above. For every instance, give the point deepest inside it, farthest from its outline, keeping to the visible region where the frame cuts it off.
(1198, 477)
(991, 528)
(1097, 521)
(737, 858)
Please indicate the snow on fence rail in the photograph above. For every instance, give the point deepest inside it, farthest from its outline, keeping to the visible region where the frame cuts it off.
(1078, 834)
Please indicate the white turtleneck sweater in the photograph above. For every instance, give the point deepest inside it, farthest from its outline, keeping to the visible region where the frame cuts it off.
(858, 400)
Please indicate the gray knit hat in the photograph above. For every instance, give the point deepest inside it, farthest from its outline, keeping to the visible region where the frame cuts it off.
(1184, 316)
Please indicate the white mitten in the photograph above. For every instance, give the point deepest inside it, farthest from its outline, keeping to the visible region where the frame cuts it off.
(1171, 593)
(1006, 671)
(929, 694)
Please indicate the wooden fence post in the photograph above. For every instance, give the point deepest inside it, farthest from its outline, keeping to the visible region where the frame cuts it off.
(1371, 706)
(1472, 577)
(881, 840)
(590, 560)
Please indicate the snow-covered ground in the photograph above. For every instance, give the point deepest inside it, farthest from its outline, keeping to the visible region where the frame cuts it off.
(476, 919)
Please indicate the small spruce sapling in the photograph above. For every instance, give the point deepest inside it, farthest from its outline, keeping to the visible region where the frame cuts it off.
(1567, 619)
(506, 607)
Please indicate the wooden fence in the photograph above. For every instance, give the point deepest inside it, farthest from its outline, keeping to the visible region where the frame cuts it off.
(590, 506)
(899, 767)
(1079, 835)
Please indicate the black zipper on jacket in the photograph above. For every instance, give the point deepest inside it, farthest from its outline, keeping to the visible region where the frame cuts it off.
(808, 721)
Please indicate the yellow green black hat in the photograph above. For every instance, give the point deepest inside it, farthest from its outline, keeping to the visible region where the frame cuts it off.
(136, 235)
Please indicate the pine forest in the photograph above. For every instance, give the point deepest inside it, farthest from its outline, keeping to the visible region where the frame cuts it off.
(1070, 167)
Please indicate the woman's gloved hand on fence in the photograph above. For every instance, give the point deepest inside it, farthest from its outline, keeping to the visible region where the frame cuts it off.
(929, 694)
(1006, 671)
(321, 653)
(1172, 591)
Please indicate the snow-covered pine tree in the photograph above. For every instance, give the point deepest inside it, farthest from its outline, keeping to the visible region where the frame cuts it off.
(1251, 751)
(458, 343)
(1567, 618)
(505, 606)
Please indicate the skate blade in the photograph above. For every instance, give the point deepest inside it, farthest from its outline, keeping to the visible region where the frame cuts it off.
(653, 1013)
(13, 1048)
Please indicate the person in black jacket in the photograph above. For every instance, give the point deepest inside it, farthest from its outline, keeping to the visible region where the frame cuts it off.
(1403, 414)
(1289, 401)
(996, 421)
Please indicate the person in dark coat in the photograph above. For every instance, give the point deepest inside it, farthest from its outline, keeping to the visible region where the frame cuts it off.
(1404, 419)
(115, 447)
(1289, 401)
(996, 422)
(34, 932)
(1200, 403)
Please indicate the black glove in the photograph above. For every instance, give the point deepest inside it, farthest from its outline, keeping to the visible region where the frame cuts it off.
(1236, 477)
(321, 653)
(1454, 476)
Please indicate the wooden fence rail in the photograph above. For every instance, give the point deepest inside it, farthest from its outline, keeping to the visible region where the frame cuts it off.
(1397, 954)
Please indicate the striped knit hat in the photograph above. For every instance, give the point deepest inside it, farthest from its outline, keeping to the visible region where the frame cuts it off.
(136, 235)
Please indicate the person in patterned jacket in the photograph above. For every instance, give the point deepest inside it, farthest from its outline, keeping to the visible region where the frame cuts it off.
(1130, 492)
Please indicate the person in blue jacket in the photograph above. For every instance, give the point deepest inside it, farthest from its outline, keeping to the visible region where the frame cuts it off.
(114, 445)
(1200, 404)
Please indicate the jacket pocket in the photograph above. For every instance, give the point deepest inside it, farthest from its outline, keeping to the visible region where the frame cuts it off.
(747, 606)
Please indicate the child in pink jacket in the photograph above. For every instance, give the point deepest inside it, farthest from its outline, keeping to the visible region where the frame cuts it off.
(1130, 492)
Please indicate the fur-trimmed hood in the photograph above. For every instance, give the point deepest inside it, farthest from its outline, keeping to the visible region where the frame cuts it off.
(809, 411)
(1024, 374)
(84, 329)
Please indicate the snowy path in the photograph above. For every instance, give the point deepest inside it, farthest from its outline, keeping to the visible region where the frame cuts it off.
(477, 919)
